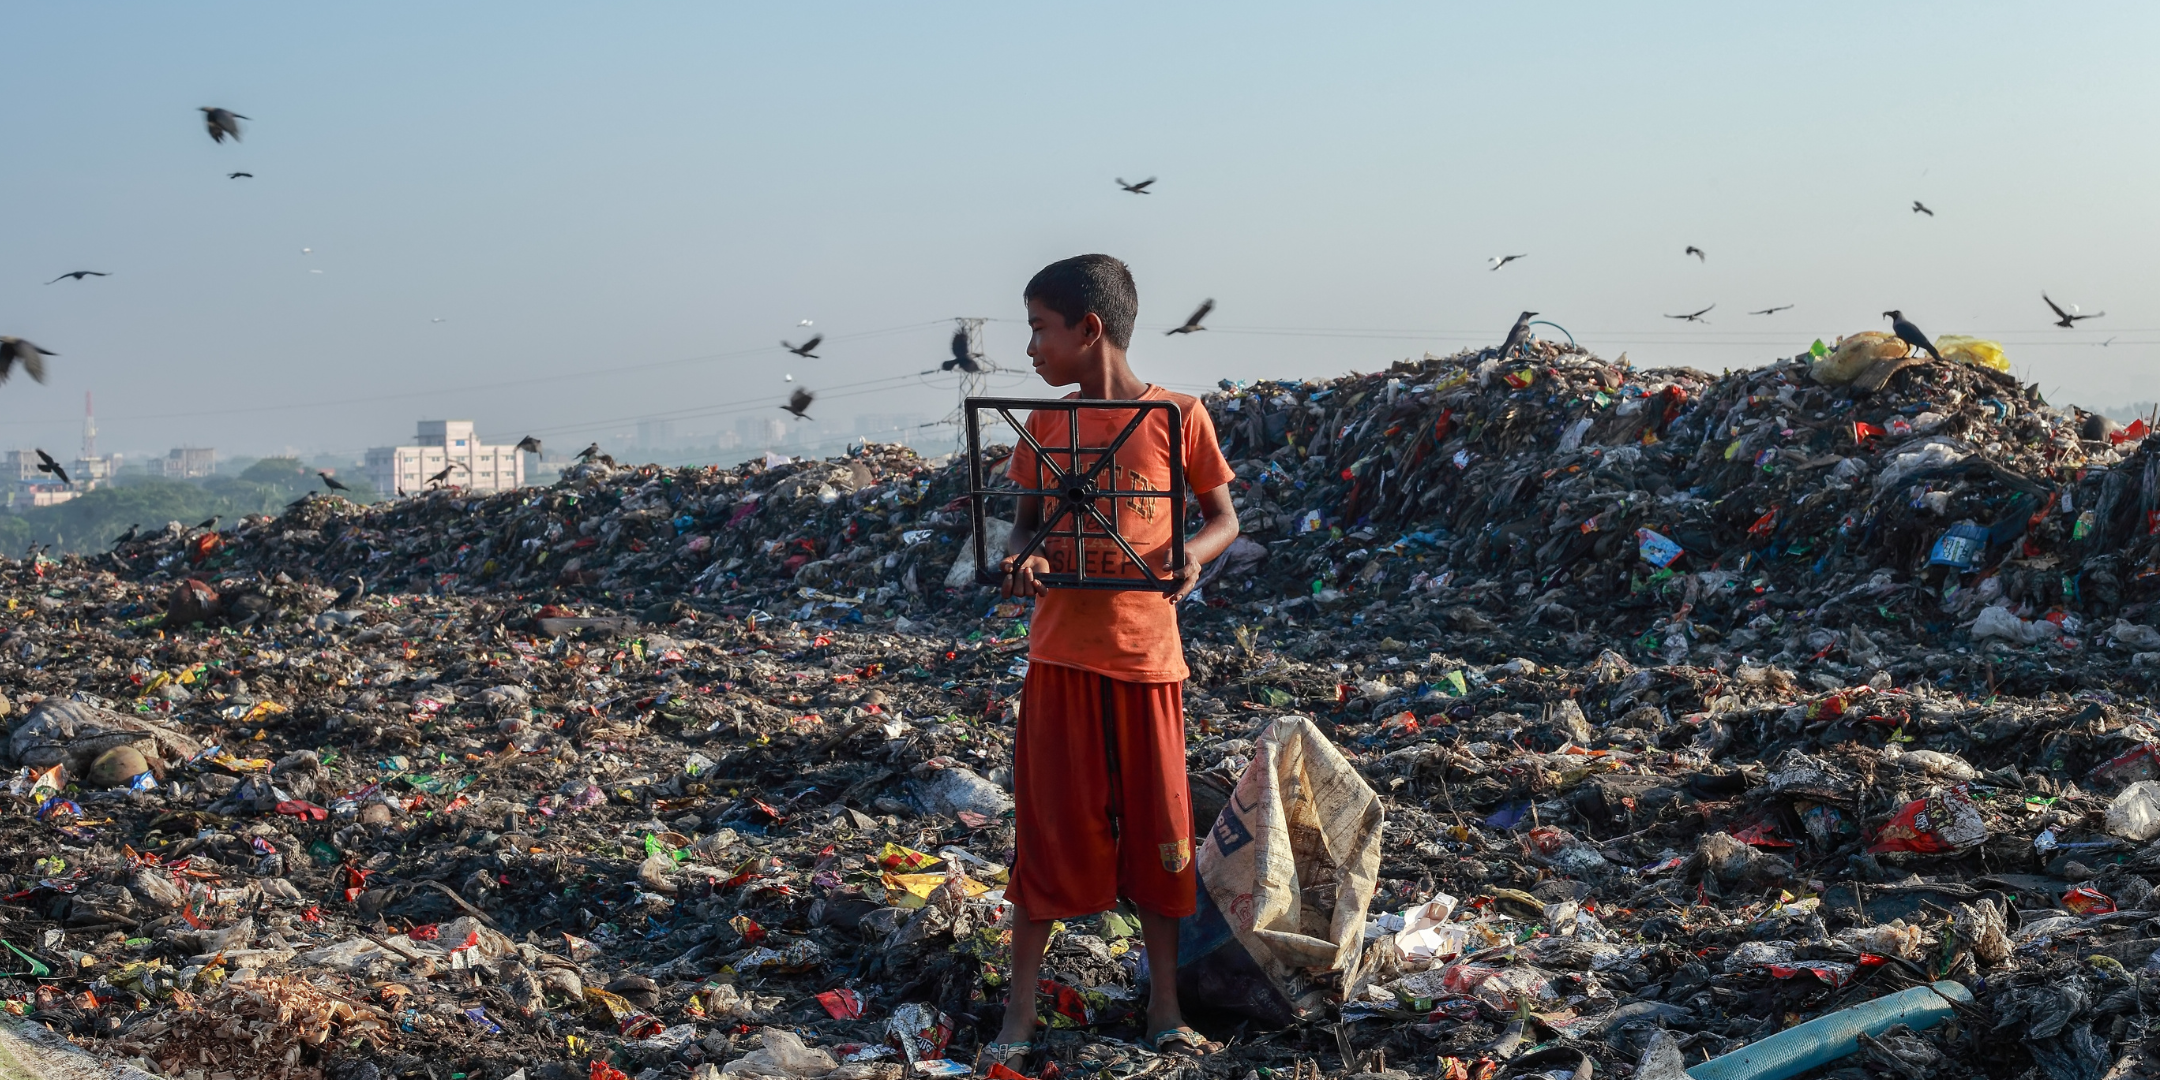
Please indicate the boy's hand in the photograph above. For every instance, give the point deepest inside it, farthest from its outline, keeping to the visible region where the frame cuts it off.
(1187, 578)
(1020, 578)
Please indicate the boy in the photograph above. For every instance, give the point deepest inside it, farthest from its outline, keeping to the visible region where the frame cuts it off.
(1099, 760)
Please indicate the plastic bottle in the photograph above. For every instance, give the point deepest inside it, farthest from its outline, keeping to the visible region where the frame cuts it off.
(1825, 1039)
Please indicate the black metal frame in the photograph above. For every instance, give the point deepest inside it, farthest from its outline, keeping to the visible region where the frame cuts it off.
(1076, 492)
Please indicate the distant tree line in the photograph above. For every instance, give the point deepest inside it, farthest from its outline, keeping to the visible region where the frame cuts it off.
(92, 520)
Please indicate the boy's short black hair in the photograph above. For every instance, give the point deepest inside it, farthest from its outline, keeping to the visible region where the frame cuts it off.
(1098, 283)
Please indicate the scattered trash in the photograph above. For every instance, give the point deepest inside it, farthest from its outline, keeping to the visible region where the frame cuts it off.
(1548, 715)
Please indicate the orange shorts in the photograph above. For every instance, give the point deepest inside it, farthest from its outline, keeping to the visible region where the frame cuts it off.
(1071, 859)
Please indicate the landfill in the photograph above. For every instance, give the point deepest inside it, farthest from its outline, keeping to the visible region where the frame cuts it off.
(1585, 720)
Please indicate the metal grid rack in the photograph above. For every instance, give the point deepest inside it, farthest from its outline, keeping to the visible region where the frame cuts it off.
(1075, 495)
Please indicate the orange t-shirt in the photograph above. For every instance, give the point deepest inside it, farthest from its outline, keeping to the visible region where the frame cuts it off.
(1126, 634)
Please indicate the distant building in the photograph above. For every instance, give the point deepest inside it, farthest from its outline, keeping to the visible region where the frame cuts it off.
(187, 462)
(445, 444)
(654, 434)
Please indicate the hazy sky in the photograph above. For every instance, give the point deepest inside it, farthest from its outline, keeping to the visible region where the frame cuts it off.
(618, 210)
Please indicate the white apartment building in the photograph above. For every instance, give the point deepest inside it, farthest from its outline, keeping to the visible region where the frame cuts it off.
(445, 444)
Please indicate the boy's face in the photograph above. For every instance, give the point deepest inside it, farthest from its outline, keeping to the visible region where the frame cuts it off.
(1060, 351)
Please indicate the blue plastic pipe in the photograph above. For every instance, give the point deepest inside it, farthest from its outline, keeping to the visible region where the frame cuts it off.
(1825, 1039)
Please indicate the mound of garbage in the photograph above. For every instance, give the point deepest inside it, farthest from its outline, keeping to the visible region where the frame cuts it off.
(1641, 722)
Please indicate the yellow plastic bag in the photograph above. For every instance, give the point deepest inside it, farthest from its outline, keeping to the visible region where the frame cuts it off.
(1855, 355)
(1971, 350)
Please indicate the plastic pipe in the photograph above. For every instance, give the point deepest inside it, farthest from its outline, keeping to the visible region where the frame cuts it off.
(1825, 1039)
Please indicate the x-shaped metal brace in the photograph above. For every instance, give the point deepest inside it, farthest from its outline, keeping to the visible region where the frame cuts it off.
(1075, 492)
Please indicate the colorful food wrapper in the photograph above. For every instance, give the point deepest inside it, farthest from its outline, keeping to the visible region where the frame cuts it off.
(842, 1004)
(1656, 548)
(1943, 822)
(2088, 901)
(919, 1031)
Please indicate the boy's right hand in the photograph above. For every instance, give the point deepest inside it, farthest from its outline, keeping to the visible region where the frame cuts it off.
(1020, 578)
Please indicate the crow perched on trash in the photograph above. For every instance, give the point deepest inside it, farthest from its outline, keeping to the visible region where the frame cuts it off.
(1499, 261)
(799, 401)
(964, 356)
(351, 592)
(1140, 188)
(1517, 335)
(129, 536)
(1192, 322)
(79, 275)
(46, 464)
(15, 350)
(443, 477)
(530, 445)
(222, 122)
(2065, 319)
(804, 348)
(1697, 252)
(1771, 310)
(1693, 316)
(208, 525)
(330, 481)
(589, 452)
(1910, 334)
(1919, 207)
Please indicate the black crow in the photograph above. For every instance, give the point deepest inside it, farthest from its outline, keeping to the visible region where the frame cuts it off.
(15, 350)
(799, 401)
(1697, 252)
(530, 445)
(1517, 335)
(46, 464)
(1140, 188)
(1499, 261)
(1771, 310)
(964, 356)
(1192, 322)
(330, 481)
(1693, 316)
(222, 122)
(79, 275)
(1919, 207)
(804, 348)
(2063, 318)
(1910, 334)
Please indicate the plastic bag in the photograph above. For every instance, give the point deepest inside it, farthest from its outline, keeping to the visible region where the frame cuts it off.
(1978, 352)
(2135, 814)
(1856, 354)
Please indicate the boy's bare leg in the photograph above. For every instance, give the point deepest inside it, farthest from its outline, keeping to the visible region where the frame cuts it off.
(1029, 938)
(1160, 932)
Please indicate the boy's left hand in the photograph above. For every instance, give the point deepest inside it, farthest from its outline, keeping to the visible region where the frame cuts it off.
(1187, 578)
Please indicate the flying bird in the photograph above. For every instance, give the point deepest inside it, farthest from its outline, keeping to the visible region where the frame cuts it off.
(46, 464)
(589, 452)
(1697, 252)
(799, 401)
(1499, 261)
(1192, 322)
(530, 445)
(1140, 188)
(222, 122)
(1910, 334)
(330, 481)
(79, 275)
(15, 350)
(1693, 316)
(804, 348)
(806, 322)
(239, 176)
(964, 357)
(2066, 319)
(1517, 335)
(1919, 207)
(1771, 310)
